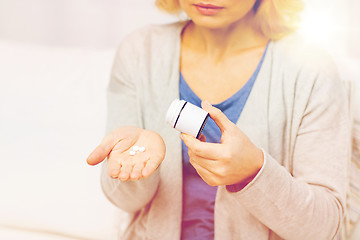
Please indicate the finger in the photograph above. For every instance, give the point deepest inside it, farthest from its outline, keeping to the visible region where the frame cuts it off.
(102, 150)
(150, 167)
(125, 170)
(202, 138)
(113, 168)
(204, 173)
(108, 143)
(114, 160)
(202, 149)
(208, 164)
(217, 115)
(136, 171)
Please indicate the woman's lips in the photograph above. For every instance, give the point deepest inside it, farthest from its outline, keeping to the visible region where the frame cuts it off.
(207, 9)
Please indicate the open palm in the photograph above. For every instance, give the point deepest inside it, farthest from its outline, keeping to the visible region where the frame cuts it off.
(117, 146)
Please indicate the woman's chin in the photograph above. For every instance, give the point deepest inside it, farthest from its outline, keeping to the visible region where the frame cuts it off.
(209, 23)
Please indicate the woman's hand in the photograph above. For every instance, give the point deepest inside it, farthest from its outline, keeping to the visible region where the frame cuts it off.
(117, 146)
(233, 161)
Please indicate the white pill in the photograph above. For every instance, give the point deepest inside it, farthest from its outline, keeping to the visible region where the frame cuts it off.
(136, 148)
(141, 149)
(132, 153)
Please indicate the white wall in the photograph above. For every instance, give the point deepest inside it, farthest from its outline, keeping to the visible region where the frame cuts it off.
(84, 23)
(354, 28)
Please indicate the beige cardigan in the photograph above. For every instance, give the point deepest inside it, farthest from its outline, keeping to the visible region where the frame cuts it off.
(296, 112)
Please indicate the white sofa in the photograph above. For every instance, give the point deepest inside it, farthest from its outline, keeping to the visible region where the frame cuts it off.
(52, 114)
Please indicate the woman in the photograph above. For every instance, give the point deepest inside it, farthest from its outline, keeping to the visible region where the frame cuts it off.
(270, 165)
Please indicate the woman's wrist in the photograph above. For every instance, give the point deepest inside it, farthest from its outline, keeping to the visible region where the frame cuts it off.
(240, 185)
(258, 161)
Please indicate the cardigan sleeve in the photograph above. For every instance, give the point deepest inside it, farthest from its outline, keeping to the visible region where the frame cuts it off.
(123, 110)
(309, 201)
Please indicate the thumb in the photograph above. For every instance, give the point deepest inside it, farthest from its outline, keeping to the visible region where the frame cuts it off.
(217, 115)
(126, 135)
(101, 151)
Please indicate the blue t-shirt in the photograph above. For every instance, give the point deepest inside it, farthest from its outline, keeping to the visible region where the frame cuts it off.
(198, 196)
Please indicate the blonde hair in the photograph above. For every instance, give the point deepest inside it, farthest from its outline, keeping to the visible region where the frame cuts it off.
(275, 18)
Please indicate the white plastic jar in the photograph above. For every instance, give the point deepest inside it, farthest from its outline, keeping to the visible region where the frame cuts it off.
(186, 117)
